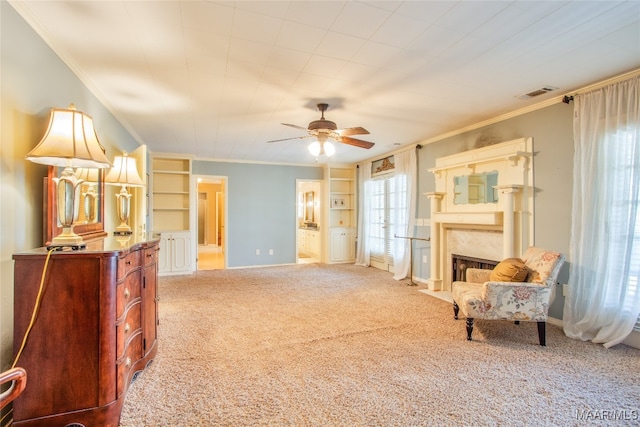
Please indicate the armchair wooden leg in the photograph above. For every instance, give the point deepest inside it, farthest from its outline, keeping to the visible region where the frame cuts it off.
(455, 310)
(469, 328)
(542, 333)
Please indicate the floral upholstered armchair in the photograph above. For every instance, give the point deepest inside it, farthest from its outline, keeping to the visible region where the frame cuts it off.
(516, 289)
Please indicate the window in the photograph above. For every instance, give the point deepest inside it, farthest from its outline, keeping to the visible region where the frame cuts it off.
(387, 211)
(604, 302)
(619, 154)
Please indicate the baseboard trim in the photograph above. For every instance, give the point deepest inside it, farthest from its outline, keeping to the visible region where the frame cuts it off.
(633, 339)
(554, 321)
(240, 267)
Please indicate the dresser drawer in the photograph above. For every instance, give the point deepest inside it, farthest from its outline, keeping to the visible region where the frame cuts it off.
(132, 354)
(127, 292)
(128, 263)
(128, 327)
(150, 255)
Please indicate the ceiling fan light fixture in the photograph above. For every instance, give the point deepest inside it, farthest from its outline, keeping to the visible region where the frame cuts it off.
(318, 148)
(329, 148)
(321, 130)
(315, 148)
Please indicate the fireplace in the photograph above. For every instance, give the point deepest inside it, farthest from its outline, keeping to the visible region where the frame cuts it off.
(460, 263)
(480, 232)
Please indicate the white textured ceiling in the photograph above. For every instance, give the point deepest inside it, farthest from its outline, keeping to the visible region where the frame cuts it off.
(217, 79)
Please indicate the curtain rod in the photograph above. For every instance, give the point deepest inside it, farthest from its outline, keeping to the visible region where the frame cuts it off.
(622, 77)
(568, 98)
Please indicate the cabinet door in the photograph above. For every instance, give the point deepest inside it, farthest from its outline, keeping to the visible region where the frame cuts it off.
(342, 245)
(181, 253)
(165, 257)
(350, 245)
(337, 245)
(314, 243)
(303, 240)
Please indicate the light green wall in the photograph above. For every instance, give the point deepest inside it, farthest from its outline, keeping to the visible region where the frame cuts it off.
(261, 203)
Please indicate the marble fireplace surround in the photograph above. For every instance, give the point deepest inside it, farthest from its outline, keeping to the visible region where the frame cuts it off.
(491, 231)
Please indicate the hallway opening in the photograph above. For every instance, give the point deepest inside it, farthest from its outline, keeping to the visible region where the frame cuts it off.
(211, 193)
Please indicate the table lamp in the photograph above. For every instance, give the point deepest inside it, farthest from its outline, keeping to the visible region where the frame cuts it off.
(124, 173)
(69, 142)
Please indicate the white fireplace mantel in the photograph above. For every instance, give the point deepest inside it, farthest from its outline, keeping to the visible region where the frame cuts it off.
(511, 216)
(451, 219)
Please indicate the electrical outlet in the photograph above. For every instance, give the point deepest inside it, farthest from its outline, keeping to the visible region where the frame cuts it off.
(257, 251)
(270, 251)
(424, 259)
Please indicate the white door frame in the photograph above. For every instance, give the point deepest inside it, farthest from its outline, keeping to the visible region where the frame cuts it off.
(324, 226)
(194, 212)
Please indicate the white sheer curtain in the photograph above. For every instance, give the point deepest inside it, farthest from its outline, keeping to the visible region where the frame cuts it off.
(404, 211)
(604, 297)
(363, 252)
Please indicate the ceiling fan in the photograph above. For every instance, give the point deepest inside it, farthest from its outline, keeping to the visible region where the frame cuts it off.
(324, 129)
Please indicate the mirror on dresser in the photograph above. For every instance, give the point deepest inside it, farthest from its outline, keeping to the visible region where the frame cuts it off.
(89, 203)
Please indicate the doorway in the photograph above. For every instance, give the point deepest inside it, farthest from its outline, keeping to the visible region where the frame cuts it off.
(382, 215)
(309, 242)
(211, 223)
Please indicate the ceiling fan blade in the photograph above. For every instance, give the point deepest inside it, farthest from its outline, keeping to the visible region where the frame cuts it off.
(288, 139)
(353, 131)
(356, 142)
(294, 126)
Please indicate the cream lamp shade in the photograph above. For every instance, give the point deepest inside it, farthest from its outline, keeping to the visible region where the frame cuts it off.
(69, 142)
(124, 173)
(91, 175)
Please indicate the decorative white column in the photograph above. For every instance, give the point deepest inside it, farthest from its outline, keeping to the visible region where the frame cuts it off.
(435, 281)
(508, 227)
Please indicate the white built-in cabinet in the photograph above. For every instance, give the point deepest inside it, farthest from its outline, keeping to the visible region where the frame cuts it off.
(170, 200)
(342, 216)
(175, 253)
(309, 242)
(342, 244)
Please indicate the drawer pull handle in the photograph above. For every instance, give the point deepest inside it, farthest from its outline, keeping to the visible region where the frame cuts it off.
(127, 293)
(128, 362)
(127, 327)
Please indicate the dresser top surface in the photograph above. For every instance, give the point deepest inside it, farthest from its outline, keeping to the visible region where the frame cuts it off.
(115, 245)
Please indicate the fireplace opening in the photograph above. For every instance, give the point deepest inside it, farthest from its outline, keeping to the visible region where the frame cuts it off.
(460, 263)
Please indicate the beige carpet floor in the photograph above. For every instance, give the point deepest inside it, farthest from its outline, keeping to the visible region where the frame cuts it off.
(340, 345)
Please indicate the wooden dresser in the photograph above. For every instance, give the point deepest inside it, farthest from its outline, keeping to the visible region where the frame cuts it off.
(95, 330)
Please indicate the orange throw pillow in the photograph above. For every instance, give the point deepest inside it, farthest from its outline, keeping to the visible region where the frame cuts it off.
(510, 270)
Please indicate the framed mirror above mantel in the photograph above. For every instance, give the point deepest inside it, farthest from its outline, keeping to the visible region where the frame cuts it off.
(90, 204)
